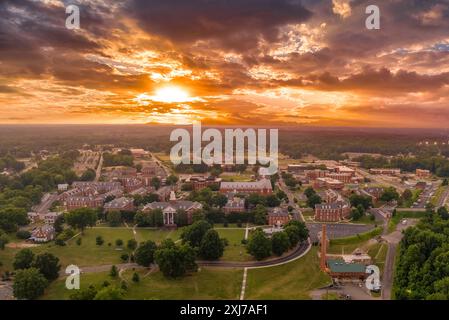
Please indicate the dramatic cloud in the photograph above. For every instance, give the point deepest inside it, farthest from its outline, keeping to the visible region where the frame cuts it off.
(248, 62)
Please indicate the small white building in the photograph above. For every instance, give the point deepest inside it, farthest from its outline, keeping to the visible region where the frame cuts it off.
(63, 187)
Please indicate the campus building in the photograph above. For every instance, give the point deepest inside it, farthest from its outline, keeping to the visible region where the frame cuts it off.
(385, 171)
(332, 212)
(120, 204)
(261, 187)
(278, 217)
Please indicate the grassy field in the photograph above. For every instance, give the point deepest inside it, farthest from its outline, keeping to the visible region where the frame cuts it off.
(235, 251)
(207, 283)
(157, 235)
(86, 254)
(293, 280)
(438, 194)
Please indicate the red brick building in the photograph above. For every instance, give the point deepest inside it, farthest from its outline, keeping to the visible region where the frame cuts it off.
(278, 217)
(332, 212)
(261, 187)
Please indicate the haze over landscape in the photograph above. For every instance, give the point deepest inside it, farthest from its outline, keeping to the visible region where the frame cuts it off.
(225, 63)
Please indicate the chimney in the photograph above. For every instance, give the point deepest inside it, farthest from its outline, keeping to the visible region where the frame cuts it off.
(323, 248)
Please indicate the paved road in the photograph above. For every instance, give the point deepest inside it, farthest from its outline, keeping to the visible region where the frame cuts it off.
(443, 198)
(425, 196)
(46, 202)
(99, 167)
(297, 252)
(297, 214)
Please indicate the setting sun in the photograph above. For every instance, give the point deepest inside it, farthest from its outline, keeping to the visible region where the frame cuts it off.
(171, 94)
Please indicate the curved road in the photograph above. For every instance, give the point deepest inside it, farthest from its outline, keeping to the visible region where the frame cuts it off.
(296, 253)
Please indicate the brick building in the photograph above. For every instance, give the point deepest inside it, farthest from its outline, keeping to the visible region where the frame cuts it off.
(261, 187)
(278, 217)
(332, 212)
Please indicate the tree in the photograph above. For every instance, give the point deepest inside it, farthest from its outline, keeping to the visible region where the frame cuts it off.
(155, 182)
(171, 180)
(48, 265)
(59, 224)
(219, 200)
(119, 242)
(135, 277)
(175, 261)
(99, 240)
(3, 240)
(309, 192)
(109, 293)
(23, 259)
(131, 244)
(389, 194)
(144, 254)
(88, 175)
(114, 218)
(114, 272)
(29, 284)
(272, 201)
(259, 245)
(443, 213)
(293, 235)
(84, 294)
(407, 195)
(211, 247)
(365, 201)
(280, 243)
(313, 200)
(81, 218)
(260, 215)
(303, 232)
(194, 233)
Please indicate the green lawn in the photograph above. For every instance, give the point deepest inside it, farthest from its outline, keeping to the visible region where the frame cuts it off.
(293, 280)
(87, 254)
(207, 283)
(157, 235)
(235, 251)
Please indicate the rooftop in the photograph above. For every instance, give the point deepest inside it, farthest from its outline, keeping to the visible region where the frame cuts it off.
(341, 266)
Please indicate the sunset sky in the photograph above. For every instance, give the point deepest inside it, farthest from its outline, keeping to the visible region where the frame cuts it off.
(227, 62)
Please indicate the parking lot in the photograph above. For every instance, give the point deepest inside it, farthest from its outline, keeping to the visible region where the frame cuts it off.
(337, 230)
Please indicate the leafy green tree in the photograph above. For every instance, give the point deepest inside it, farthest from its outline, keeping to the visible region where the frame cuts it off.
(81, 218)
(144, 254)
(84, 294)
(175, 261)
(219, 200)
(3, 240)
(135, 277)
(88, 175)
(23, 259)
(131, 244)
(155, 182)
(443, 213)
(365, 201)
(280, 243)
(29, 284)
(445, 182)
(211, 247)
(110, 293)
(272, 201)
(293, 235)
(313, 200)
(389, 194)
(114, 218)
(48, 265)
(407, 194)
(303, 232)
(99, 240)
(260, 215)
(309, 191)
(194, 233)
(172, 180)
(114, 272)
(119, 242)
(259, 245)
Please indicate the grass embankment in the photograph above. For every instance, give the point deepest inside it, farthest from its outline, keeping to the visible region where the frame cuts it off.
(207, 283)
(293, 280)
(349, 244)
(403, 215)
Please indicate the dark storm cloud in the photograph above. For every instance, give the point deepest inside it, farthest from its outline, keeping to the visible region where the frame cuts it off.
(234, 24)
